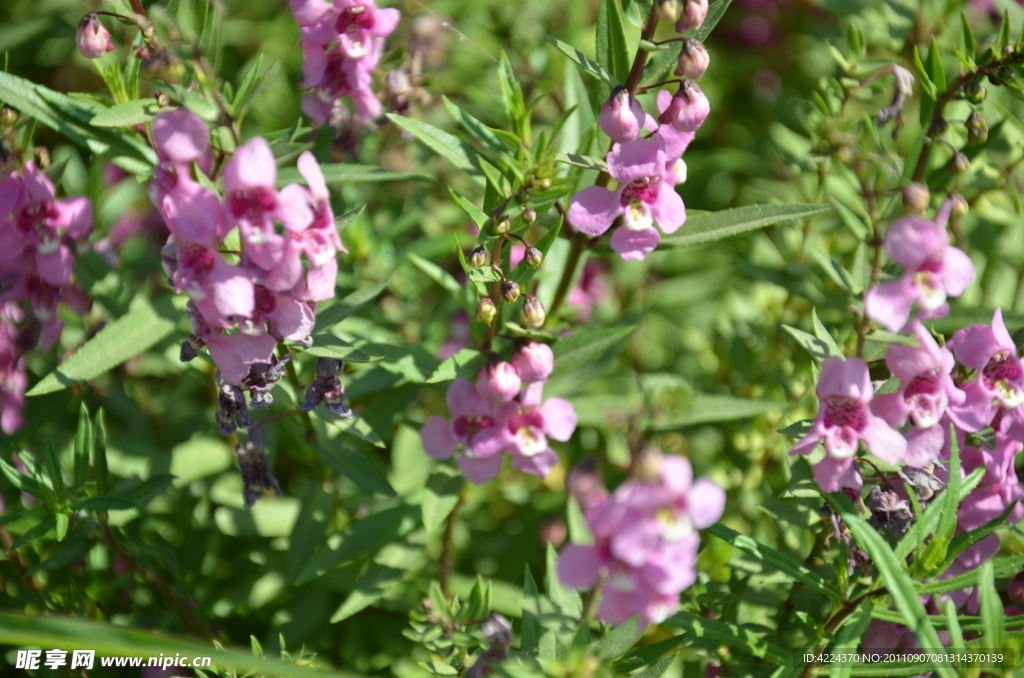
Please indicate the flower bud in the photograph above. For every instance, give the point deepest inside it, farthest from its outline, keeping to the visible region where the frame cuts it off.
(647, 465)
(1015, 588)
(958, 164)
(497, 630)
(478, 257)
(498, 382)
(693, 59)
(916, 198)
(162, 100)
(585, 484)
(533, 314)
(693, 15)
(553, 531)
(937, 127)
(977, 128)
(93, 38)
(533, 361)
(486, 311)
(622, 117)
(509, 290)
(974, 92)
(544, 184)
(529, 216)
(8, 116)
(960, 206)
(669, 11)
(688, 109)
(501, 224)
(533, 257)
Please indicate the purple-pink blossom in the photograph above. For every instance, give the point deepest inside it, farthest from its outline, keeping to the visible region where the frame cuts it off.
(644, 198)
(645, 542)
(93, 38)
(933, 271)
(845, 418)
(622, 117)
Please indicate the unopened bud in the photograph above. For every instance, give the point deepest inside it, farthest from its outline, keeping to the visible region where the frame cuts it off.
(693, 59)
(544, 184)
(498, 381)
(1015, 588)
(509, 290)
(486, 311)
(529, 216)
(916, 198)
(960, 206)
(501, 224)
(533, 361)
(533, 314)
(162, 100)
(693, 16)
(977, 128)
(93, 38)
(8, 116)
(688, 109)
(43, 155)
(669, 11)
(533, 257)
(647, 465)
(478, 257)
(974, 92)
(141, 52)
(958, 164)
(937, 127)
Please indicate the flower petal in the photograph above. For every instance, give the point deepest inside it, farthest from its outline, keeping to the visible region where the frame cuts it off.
(634, 244)
(579, 566)
(593, 210)
(559, 418)
(479, 471)
(438, 439)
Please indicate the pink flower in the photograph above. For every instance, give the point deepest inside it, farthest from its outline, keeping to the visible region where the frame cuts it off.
(642, 199)
(844, 419)
(13, 380)
(498, 382)
(93, 38)
(180, 136)
(622, 117)
(358, 22)
(933, 271)
(232, 353)
(533, 361)
(686, 111)
(999, 488)
(1000, 378)
(591, 289)
(926, 389)
(645, 543)
(474, 428)
(529, 424)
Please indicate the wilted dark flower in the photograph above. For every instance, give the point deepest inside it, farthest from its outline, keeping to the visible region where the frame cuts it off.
(327, 388)
(258, 480)
(232, 411)
(923, 481)
(888, 510)
(904, 88)
(498, 632)
(261, 379)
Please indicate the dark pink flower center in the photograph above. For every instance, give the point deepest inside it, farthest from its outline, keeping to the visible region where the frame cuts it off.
(358, 17)
(252, 203)
(467, 427)
(645, 190)
(527, 417)
(335, 81)
(844, 412)
(195, 257)
(36, 215)
(922, 385)
(1003, 366)
(265, 300)
(926, 398)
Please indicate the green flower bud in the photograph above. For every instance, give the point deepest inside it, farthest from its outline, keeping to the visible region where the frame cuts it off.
(958, 164)
(960, 206)
(974, 92)
(916, 198)
(529, 216)
(938, 127)
(501, 224)
(509, 290)
(8, 116)
(669, 11)
(544, 184)
(486, 311)
(533, 257)
(478, 257)
(533, 314)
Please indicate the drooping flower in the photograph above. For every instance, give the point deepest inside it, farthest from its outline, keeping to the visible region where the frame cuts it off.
(622, 117)
(93, 38)
(646, 542)
(533, 361)
(644, 198)
(933, 271)
(845, 419)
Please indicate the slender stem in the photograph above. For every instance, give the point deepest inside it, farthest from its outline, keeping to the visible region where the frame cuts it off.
(492, 329)
(876, 263)
(591, 604)
(447, 563)
(573, 260)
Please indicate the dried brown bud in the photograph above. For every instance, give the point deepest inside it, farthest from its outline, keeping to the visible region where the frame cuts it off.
(162, 100)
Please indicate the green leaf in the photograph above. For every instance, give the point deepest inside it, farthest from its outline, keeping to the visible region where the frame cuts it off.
(660, 63)
(849, 637)
(732, 635)
(585, 63)
(992, 618)
(463, 365)
(105, 503)
(314, 519)
(440, 497)
(822, 333)
(897, 582)
(776, 559)
(579, 530)
(565, 598)
(53, 471)
(62, 521)
(74, 548)
(120, 641)
(329, 346)
(334, 314)
(99, 451)
(128, 114)
(1001, 568)
(476, 214)
(438, 275)
(835, 271)
(617, 641)
(83, 445)
(612, 51)
(143, 326)
(357, 467)
(531, 615)
(956, 635)
(797, 429)
(253, 79)
(967, 37)
(475, 128)
(966, 540)
(342, 173)
(581, 347)
(818, 348)
(512, 96)
(19, 480)
(935, 71)
(38, 530)
(584, 161)
(706, 408)
(71, 118)
(714, 226)
(444, 144)
(935, 552)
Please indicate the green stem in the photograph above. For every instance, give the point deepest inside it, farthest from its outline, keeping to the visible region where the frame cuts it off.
(575, 253)
(492, 329)
(447, 562)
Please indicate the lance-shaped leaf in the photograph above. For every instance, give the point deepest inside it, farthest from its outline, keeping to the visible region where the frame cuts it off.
(342, 173)
(713, 226)
(332, 315)
(584, 62)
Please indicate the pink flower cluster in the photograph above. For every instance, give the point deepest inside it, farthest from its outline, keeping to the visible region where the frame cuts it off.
(39, 235)
(342, 43)
(645, 542)
(502, 412)
(240, 311)
(647, 170)
(933, 271)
